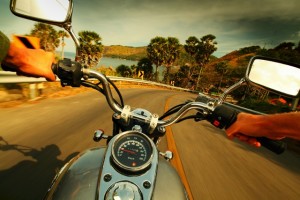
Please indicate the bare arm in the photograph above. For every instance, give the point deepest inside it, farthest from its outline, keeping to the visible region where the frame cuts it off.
(276, 126)
(29, 62)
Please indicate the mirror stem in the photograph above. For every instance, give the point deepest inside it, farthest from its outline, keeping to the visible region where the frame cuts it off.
(68, 27)
(230, 89)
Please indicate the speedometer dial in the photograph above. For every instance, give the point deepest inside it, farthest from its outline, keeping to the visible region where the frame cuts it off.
(132, 151)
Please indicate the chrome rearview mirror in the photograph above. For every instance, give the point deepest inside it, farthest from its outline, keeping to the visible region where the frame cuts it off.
(274, 75)
(53, 11)
(48, 11)
(271, 74)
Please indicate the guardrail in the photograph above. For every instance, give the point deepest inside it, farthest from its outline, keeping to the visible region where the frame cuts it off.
(12, 77)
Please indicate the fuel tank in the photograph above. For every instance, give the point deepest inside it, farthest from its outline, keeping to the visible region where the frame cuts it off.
(79, 178)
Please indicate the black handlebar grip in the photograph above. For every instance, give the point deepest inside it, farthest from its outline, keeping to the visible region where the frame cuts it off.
(223, 117)
(54, 68)
(69, 72)
(276, 146)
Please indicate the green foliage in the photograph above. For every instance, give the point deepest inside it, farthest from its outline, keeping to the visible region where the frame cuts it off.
(49, 37)
(247, 50)
(172, 50)
(124, 70)
(201, 51)
(156, 52)
(285, 51)
(91, 48)
(163, 51)
(207, 46)
(145, 65)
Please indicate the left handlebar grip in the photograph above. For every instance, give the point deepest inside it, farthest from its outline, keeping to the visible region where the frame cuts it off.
(54, 68)
(69, 72)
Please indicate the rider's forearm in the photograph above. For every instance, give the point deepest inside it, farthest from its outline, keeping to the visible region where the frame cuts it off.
(276, 125)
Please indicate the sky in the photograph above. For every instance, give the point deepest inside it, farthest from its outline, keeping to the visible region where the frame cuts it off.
(235, 23)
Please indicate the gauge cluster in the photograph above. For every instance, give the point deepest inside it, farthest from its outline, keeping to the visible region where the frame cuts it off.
(129, 167)
(132, 151)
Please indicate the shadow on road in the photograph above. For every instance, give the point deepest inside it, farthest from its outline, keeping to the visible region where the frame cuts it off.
(30, 179)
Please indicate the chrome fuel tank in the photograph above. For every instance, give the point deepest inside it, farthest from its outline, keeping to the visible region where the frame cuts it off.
(79, 178)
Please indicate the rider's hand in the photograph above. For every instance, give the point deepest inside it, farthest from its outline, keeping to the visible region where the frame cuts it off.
(29, 62)
(247, 127)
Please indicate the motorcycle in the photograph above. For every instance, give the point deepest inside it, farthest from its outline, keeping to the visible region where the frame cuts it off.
(130, 166)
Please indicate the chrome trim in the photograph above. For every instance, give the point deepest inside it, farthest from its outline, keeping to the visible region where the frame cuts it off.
(184, 109)
(123, 190)
(106, 88)
(148, 176)
(126, 113)
(221, 99)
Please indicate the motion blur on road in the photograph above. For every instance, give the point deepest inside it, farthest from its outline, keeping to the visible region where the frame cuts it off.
(37, 139)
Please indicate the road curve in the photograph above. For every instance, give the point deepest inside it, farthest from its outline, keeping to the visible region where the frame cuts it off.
(38, 138)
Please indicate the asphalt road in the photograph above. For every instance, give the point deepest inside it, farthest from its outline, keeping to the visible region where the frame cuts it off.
(38, 138)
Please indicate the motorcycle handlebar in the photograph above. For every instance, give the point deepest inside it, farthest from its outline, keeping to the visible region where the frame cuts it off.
(71, 73)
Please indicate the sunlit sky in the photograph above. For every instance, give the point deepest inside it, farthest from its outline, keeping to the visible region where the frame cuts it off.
(235, 23)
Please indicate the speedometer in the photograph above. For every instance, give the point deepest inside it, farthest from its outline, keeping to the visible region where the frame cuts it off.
(132, 151)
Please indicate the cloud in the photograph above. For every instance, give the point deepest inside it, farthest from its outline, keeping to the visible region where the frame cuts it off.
(235, 23)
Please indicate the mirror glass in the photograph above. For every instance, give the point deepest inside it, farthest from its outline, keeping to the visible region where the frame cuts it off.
(280, 77)
(48, 10)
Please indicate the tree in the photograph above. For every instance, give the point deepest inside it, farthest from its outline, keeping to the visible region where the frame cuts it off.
(181, 78)
(124, 70)
(200, 51)
(91, 48)
(62, 35)
(221, 69)
(49, 38)
(192, 48)
(145, 65)
(156, 52)
(298, 47)
(171, 54)
(285, 46)
(284, 51)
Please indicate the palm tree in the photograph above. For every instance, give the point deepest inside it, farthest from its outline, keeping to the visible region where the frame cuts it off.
(49, 39)
(62, 35)
(171, 54)
(206, 47)
(156, 52)
(192, 48)
(91, 48)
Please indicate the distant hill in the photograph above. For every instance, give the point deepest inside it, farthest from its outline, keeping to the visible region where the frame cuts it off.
(233, 59)
(125, 52)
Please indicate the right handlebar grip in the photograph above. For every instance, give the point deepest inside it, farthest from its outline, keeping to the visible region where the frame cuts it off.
(224, 116)
(276, 146)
